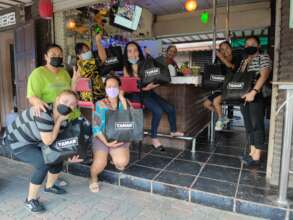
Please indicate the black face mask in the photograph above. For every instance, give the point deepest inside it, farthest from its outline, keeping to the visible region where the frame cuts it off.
(56, 61)
(63, 109)
(250, 50)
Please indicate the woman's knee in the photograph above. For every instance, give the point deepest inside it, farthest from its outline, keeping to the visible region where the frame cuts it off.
(121, 162)
(99, 163)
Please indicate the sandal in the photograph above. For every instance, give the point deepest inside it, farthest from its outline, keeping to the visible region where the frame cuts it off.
(177, 134)
(94, 187)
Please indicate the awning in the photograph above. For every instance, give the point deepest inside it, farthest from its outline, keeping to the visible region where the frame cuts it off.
(6, 4)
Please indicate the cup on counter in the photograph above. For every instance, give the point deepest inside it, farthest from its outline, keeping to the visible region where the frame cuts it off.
(172, 70)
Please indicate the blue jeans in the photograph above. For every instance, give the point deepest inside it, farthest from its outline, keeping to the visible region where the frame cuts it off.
(157, 106)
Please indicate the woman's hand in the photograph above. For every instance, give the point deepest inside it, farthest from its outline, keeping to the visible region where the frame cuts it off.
(219, 55)
(76, 74)
(39, 106)
(121, 95)
(75, 159)
(114, 144)
(149, 87)
(249, 97)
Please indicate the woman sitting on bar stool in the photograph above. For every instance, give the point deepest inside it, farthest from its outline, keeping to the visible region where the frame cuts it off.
(153, 102)
(214, 101)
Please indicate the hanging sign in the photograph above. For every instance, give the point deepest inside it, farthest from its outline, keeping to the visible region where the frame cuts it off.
(7, 19)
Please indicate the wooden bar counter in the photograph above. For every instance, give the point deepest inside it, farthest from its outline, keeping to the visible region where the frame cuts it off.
(187, 97)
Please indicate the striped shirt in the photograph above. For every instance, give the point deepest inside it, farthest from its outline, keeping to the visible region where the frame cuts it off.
(25, 130)
(258, 63)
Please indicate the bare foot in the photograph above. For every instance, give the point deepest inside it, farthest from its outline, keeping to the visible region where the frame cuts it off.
(256, 155)
(252, 150)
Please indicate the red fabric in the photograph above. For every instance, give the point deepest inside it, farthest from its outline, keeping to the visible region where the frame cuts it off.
(46, 9)
(129, 84)
(83, 85)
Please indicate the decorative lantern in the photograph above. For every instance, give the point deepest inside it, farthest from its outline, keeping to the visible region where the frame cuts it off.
(190, 5)
(46, 9)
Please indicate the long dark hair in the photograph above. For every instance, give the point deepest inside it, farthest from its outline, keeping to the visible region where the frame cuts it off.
(128, 65)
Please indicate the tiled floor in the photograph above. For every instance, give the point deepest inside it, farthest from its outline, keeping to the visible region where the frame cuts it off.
(212, 176)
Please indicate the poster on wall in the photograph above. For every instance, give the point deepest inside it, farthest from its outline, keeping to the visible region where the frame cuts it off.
(291, 14)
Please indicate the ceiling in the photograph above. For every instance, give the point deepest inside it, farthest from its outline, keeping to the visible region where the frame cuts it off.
(4, 4)
(164, 7)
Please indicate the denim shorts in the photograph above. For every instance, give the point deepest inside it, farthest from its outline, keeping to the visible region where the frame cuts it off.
(100, 146)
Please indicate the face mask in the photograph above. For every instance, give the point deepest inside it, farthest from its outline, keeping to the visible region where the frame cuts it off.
(133, 61)
(56, 61)
(87, 55)
(63, 109)
(250, 50)
(112, 92)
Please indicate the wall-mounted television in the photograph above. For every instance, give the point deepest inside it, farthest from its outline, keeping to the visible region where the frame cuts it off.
(127, 16)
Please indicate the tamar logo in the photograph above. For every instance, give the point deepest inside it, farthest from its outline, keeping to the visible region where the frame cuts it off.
(217, 78)
(112, 60)
(152, 72)
(67, 142)
(124, 125)
(235, 85)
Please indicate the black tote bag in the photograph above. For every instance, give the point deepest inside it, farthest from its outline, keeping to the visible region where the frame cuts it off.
(125, 126)
(114, 61)
(236, 85)
(213, 77)
(64, 147)
(153, 71)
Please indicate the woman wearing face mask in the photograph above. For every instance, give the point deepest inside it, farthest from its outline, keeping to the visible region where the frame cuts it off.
(253, 110)
(88, 68)
(153, 102)
(214, 101)
(46, 82)
(102, 147)
(28, 133)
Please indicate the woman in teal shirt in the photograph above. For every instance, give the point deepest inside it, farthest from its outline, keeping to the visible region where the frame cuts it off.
(101, 146)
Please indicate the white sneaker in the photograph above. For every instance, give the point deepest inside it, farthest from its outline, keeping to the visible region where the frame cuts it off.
(219, 125)
(226, 120)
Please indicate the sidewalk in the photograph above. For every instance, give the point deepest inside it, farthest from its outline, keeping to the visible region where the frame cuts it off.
(111, 203)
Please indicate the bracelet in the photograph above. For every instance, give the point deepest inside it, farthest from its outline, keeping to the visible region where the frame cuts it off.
(257, 91)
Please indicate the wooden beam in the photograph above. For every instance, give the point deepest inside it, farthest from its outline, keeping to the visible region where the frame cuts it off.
(6, 3)
(17, 1)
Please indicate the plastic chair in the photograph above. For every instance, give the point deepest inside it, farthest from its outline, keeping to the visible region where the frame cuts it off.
(130, 85)
(84, 85)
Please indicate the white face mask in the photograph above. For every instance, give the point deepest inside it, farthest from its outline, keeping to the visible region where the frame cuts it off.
(87, 55)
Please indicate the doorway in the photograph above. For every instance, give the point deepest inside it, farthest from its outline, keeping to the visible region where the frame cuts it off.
(6, 75)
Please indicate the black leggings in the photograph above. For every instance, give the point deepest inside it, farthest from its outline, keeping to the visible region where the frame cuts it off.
(32, 154)
(253, 114)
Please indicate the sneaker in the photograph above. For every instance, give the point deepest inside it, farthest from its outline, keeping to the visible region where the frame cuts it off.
(225, 120)
(219, 125)
(55, 189)
(34, 206)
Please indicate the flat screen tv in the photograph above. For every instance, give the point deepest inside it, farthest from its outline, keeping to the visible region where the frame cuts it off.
(127, 16)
